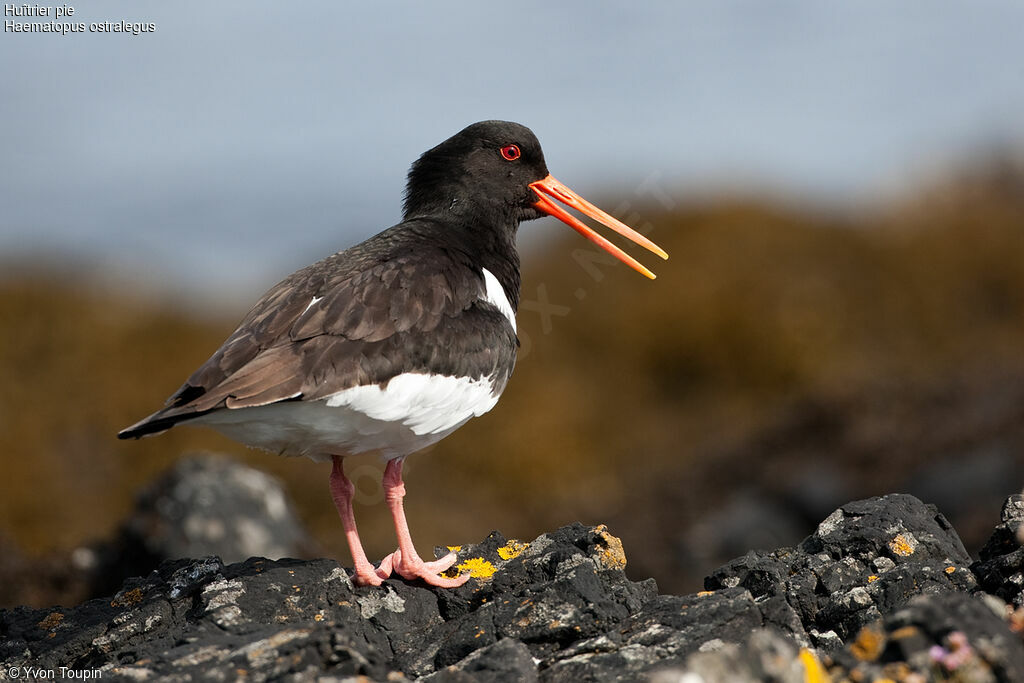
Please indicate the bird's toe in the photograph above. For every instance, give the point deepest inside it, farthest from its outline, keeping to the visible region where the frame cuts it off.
(429, 572)
(368, 577)
(388, 564)
(438, 566)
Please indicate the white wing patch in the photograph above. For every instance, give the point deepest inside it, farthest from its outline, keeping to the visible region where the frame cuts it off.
(426, 404)
(496, 295)
(412, 412)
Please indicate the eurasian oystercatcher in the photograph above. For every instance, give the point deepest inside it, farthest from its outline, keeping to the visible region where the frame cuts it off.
(394, 343)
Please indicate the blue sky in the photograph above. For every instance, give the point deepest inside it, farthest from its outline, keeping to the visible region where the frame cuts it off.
(242, 140)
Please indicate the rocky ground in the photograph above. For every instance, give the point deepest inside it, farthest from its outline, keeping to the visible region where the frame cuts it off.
(882, 590)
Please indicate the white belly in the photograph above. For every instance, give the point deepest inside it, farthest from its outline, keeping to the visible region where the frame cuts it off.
(412, 412)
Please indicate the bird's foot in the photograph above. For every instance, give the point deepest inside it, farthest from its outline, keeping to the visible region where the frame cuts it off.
(366, 575)
(416, 568)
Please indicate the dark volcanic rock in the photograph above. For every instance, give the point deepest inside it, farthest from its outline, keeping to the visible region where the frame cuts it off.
(942, 636)
(1006, 538)
(507, 660)
(865, 560)
(660, 637)
(881, 589)
(1001, 568)
(194, 618)
(762, 655)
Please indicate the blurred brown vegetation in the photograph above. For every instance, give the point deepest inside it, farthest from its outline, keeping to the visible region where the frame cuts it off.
(785, 354)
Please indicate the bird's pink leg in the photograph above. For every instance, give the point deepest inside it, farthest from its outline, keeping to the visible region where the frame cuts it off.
(405, 561)
(342, 491)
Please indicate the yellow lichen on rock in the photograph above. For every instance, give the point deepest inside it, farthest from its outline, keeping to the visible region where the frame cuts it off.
(901, 545)
(512, 549)
(612, 556)
(478, 568)
(814, 672)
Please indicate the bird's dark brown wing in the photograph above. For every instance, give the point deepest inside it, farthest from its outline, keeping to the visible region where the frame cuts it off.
(337, 323)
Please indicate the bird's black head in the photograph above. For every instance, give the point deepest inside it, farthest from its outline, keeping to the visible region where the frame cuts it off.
(490, 176)
(483, 172)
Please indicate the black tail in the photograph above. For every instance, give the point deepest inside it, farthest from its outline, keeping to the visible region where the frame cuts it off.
(158, 422)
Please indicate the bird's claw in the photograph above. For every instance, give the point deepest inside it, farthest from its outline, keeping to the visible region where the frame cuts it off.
(416, 568)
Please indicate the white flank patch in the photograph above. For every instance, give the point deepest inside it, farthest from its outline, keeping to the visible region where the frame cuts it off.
(426, 404)
(414, 411)
(496, 295)
(312, 303)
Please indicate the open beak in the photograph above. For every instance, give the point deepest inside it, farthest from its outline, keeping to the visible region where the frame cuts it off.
(550, 188)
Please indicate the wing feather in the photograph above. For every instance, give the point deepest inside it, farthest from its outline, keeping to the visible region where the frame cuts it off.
(336, 324)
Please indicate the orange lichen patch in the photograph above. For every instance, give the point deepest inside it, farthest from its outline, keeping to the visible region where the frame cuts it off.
(873, 578)
(479, 633)
(949, 570)
(478, 568)
(132, 597)
(704, 594)
(455, 548)
(814, 672)
(512, 549)
(318, 617)
(905, 632)
(868, 645)
(612, 556)
(52, 620)
(901, 546)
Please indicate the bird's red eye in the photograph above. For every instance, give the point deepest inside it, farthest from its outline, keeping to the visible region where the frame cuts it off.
(510, 152)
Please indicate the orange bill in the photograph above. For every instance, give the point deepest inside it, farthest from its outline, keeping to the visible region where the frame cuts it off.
(549, 188)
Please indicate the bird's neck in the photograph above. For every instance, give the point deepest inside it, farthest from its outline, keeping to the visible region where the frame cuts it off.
(505, 268)
(494, 245)
(486, 243)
